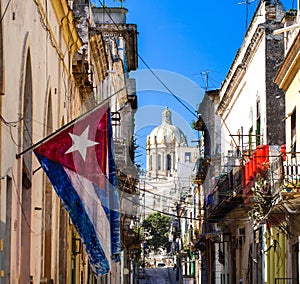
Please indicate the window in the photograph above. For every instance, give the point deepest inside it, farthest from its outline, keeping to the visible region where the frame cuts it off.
(150, 163)
(159, 162)
(250, 138)
(258, 124)
(187, 157)
(295, 262)
(169, 162)
(293, 133)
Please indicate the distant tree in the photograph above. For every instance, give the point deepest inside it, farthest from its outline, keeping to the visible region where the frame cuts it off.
(157, 225)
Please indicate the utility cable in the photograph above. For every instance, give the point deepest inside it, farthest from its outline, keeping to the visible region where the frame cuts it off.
(5, 11)
(150, 69)
(33, 146)
(162, 212)
(166, 87)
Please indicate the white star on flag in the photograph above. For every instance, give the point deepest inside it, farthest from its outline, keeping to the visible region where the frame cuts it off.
(80, 143)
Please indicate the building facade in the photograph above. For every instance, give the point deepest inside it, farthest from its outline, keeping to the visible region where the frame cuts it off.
(170, 163)
(57, 62)
(167, 186)
(239, 246)
(287, 201)
(38, 43)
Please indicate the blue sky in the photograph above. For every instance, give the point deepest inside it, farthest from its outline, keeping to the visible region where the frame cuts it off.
(182, 41)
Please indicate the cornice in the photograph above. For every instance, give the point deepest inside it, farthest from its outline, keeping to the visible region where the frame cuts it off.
(290, 66)
(99, 55)
(65, 18)
(231, 88)
(129, 32)
(232, 82)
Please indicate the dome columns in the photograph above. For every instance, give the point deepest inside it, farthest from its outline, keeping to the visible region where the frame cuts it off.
(161, 147)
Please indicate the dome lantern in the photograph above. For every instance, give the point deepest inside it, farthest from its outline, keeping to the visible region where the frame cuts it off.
(166, 133)
(167, 116)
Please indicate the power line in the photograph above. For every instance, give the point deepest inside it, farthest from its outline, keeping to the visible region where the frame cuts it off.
(162, 212)
(68, 124)
(150, 69)
(5, 11)
(167, 88)
(164, 196)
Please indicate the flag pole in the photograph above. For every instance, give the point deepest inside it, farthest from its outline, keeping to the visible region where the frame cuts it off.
(47, 137)
(67, 125)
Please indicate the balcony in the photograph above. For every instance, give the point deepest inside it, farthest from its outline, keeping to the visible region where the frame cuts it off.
(130, 233)
(82, 77)
(225, 196)
(277, 191)
(201, 169)
(257, 163)
(281, 172)
(289, 170)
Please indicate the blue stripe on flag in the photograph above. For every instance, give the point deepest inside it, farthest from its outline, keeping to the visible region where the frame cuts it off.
(73, 204)
(115, 214)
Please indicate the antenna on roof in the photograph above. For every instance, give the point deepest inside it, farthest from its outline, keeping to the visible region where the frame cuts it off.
(247, 3)
(121, 3)
(206, 78)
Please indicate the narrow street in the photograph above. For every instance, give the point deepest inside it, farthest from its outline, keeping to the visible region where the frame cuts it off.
(159, 276)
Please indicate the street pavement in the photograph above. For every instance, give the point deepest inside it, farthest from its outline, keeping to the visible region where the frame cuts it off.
(158, 276)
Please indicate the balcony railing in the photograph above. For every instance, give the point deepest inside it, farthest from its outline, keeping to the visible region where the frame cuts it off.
(286, 281)
(225, 196)
(219, 193)
(284, 173)
(267, 169)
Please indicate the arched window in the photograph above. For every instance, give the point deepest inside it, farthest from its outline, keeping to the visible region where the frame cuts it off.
(26, 193)
(169, 162)
(150, 163)
(159, 162)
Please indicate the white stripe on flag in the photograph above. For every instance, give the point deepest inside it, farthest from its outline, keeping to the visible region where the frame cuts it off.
(94, 209)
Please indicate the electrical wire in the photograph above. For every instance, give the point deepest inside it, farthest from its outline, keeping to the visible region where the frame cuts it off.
(11, 125)
(150, 69)
(162, 212)
(21, 206)
(165, 197)
(46, 27)
(154, 193)
(167, 88)
(68, 124)
(5, 10)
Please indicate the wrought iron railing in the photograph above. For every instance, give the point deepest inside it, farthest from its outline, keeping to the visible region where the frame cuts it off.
(284, 173)
(228, 186)
(286, 281)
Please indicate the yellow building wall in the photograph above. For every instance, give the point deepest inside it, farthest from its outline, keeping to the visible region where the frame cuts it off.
(292, 102)
(275, 251)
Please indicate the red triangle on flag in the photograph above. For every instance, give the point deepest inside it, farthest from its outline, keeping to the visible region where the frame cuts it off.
(83, 146)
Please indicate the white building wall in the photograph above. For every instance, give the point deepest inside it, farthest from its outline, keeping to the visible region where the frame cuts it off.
(24, 34)
(243, 105)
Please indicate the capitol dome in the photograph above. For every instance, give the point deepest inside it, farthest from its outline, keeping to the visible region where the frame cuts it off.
(166, 133)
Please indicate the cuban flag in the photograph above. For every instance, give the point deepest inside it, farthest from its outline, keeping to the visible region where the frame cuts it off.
(79, 162)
